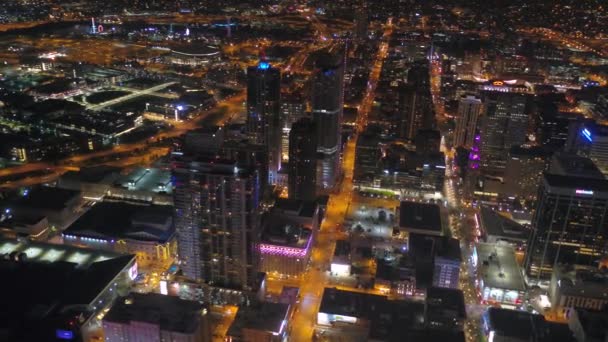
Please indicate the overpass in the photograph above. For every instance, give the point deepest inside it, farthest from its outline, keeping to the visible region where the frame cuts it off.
(138, 93)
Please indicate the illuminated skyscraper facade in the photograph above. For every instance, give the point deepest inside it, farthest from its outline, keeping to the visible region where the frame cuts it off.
(327, 103)
(504, 124)
(569, 225)
(216, 210)
(264, 112)
(469, 110)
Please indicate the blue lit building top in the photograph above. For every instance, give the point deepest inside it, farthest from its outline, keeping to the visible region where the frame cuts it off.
(263, 65)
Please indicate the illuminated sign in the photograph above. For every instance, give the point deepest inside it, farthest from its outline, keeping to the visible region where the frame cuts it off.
(282, 250)
(584, 192)
(133, 272)
(340, 269)
(327, 319)
(264, 66)
(585, 132)
(163, 287)
(498, 83)
(64, 334)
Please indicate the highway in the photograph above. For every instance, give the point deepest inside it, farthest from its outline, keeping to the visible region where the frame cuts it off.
(565, 40)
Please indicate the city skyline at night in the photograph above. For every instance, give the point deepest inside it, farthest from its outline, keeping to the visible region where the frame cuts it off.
(304, 170)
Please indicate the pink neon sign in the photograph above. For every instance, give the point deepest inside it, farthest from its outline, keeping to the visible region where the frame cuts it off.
(285, 251)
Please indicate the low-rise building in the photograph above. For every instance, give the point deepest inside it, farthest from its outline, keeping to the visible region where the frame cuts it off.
(142, 184)
(93, 182)
(438, 258)
(589, 325)
(34, 228)
(498, 229)
(357, 316)
(445, 309)
(58, 205)
(422, 218)
(572, 289)
(156, 317)
(499, 277)
(144, 230)
(260, 322)
(285, 246)
(58, 292)
(503, 325)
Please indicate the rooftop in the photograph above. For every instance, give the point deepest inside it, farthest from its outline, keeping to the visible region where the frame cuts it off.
(574, 182)
(573, 165)
(389, 319)
(443, 301)
(46, 198)
(425, 246)
(278, 231)
(147, 179)
(119, 220)
(595, 324)
(52, 282)
(168, 312)
(296, 207)
(530, 327)
(498, 267)
(497, 225)
(420, 216)
(52, 253)
(264, 316)
(583, 283)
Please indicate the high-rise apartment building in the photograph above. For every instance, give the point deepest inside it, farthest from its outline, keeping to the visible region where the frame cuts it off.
(292, 109)
(302, 177)
(216, 210)
(415, 103)
(264, 112)
(469, 110)
(327, 105)
(368, 155)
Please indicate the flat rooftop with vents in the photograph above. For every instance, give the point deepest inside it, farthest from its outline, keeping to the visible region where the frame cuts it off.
(423, 218)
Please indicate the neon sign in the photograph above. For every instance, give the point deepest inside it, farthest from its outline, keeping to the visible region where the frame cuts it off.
(64, 334)
(584, 192)
(291, 252)
(585, 132)
(281, 250)
(133, 271)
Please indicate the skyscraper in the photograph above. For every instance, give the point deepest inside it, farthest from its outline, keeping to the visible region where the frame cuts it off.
(591, 141)
(303, 160)
(571, 218)
(264, 112)
(327, 103)
(469, 110)
(505, 124)
(361, 22)
(216, 220)
(368, 155)
(292, 109)
(415, 103)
